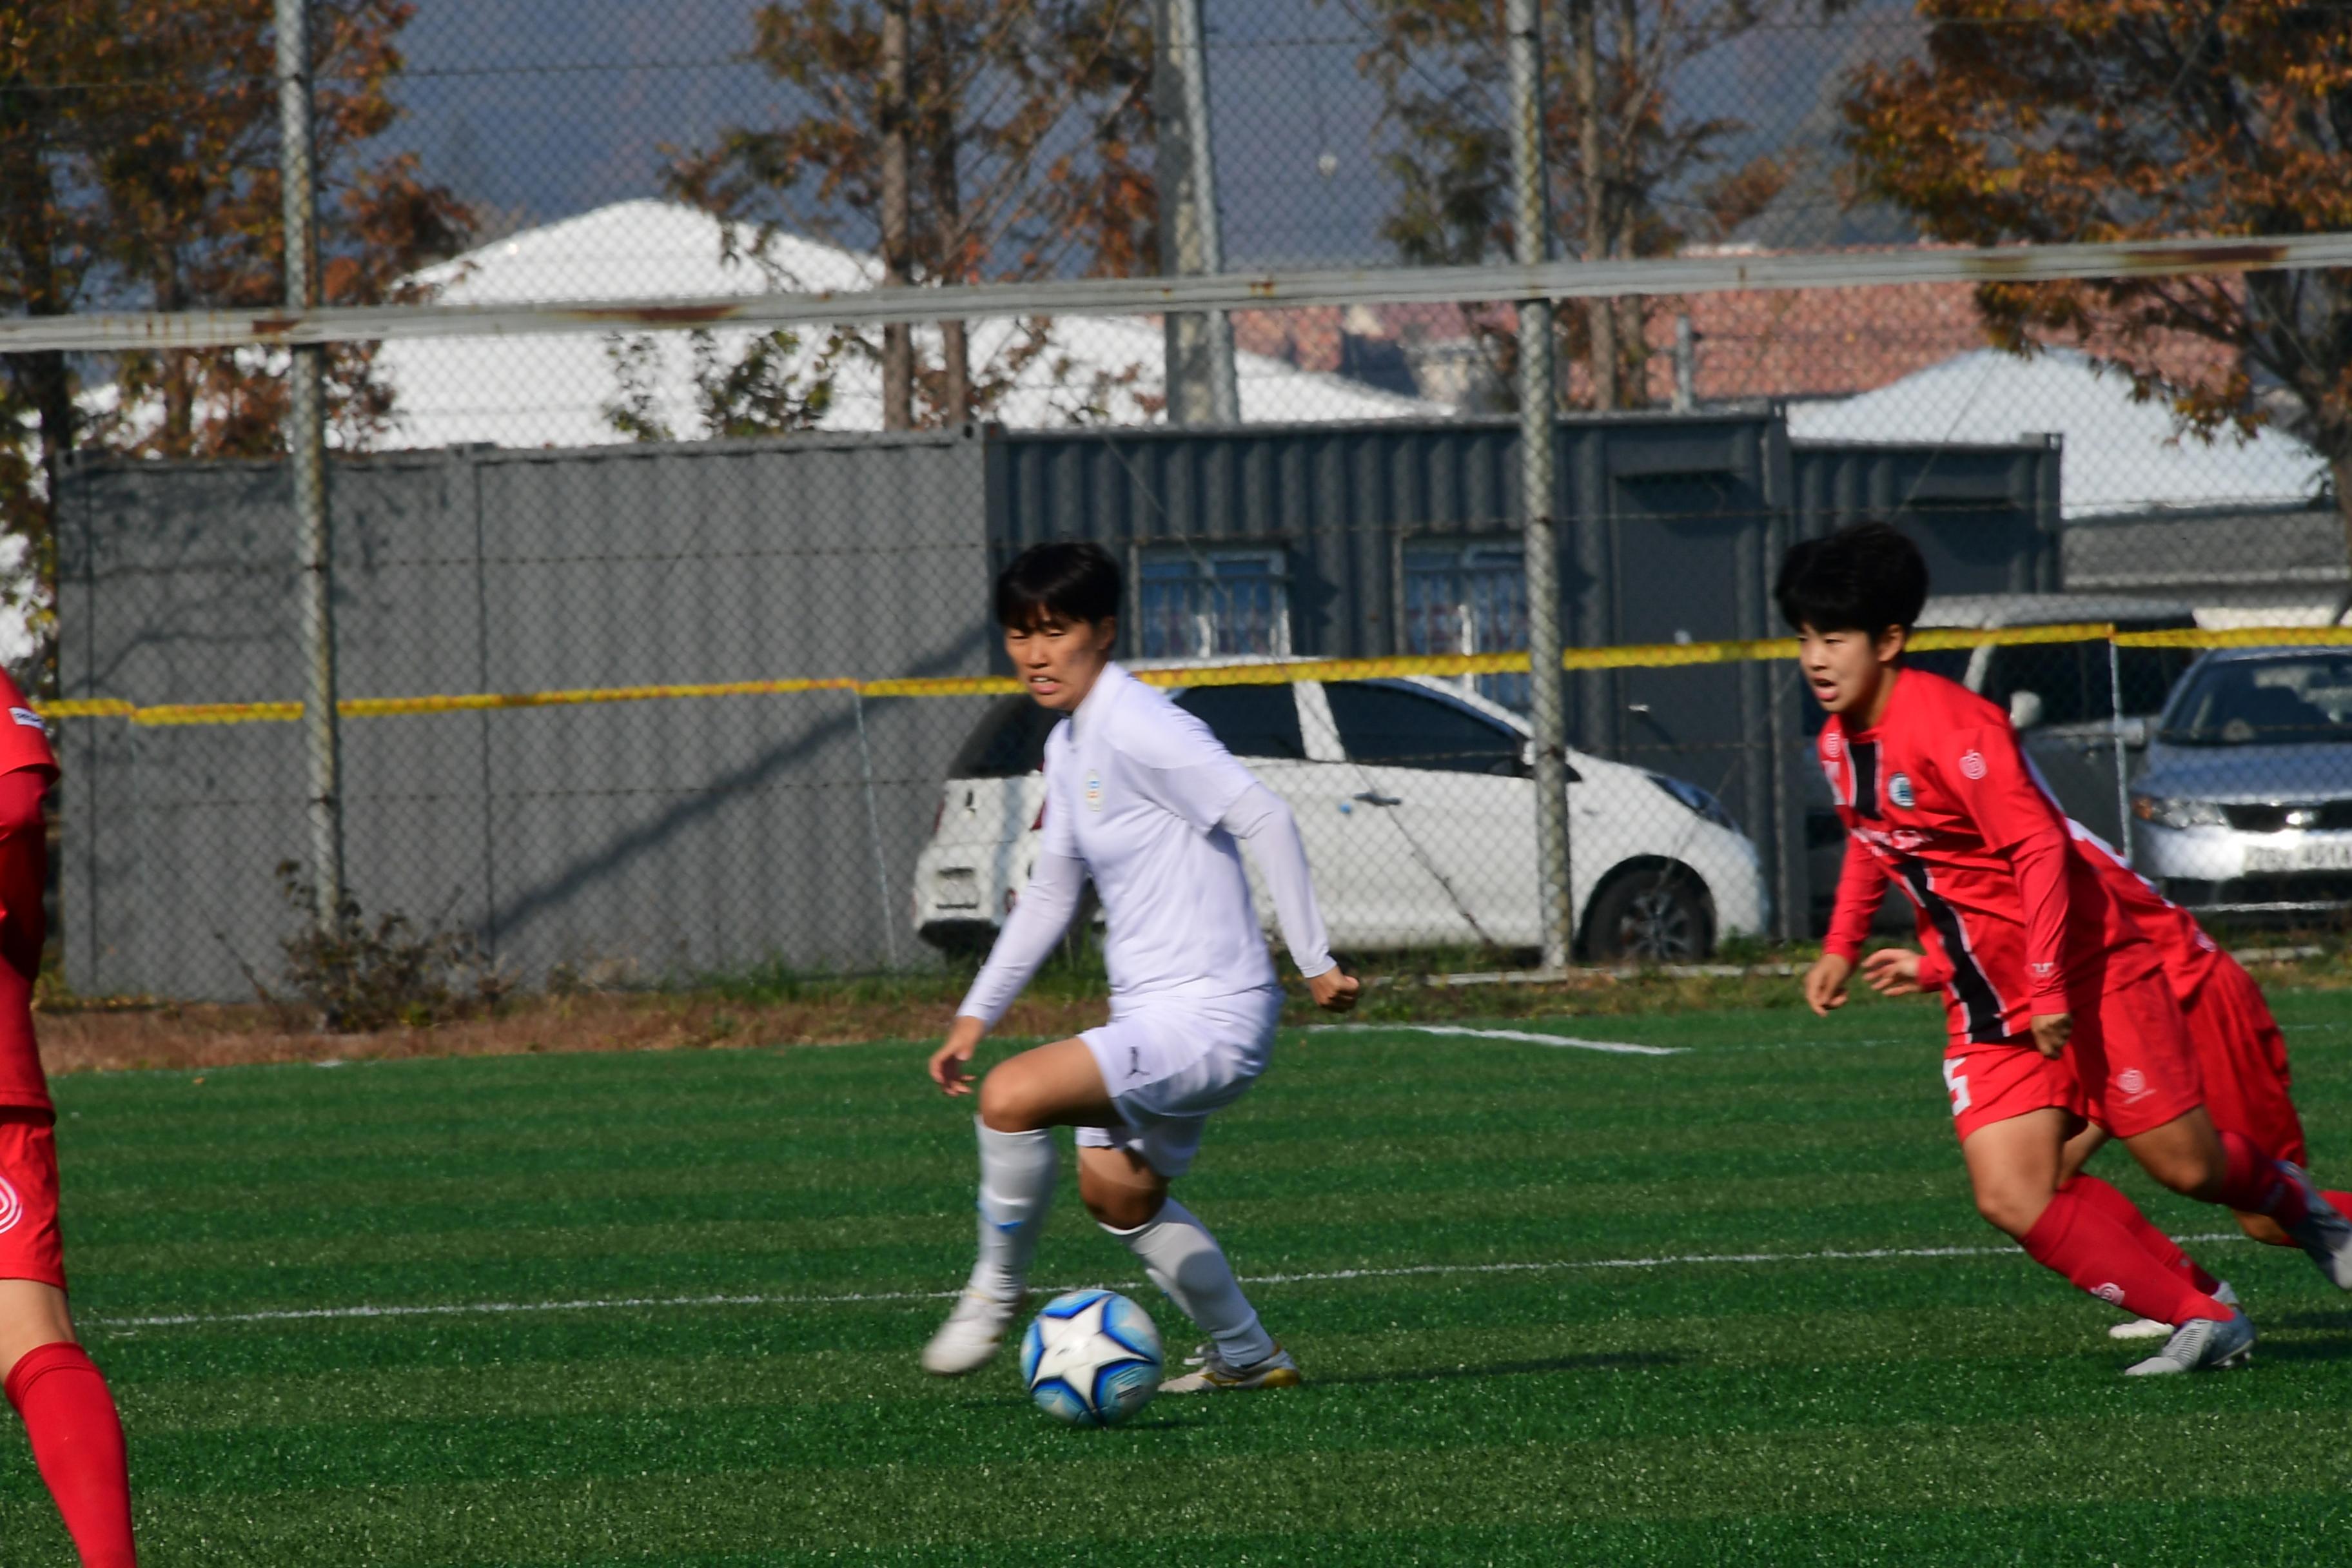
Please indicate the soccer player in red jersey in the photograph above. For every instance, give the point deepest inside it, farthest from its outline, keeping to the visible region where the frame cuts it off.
(2241, 1052)
(2057, 1004)
(68, 1412)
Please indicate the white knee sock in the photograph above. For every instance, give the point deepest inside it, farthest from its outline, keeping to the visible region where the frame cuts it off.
(1016, 1187)
(1185, 1261)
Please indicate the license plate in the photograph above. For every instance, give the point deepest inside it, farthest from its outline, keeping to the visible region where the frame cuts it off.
(2316, 855)
(958, 890)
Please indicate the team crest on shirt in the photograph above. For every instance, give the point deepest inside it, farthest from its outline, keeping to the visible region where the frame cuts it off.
(1833, 743)
(1094, 790)
(1973, 764)
(12, 1207)
(1899, 791)
(28, 718)
(2132, 1081)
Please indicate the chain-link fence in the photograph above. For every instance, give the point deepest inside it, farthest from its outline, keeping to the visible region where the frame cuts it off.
(661, 632)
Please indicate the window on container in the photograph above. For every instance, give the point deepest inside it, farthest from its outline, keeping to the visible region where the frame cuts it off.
(1213, 603)
(1469, 598)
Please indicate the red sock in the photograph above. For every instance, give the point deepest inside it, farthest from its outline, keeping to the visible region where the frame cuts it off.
(2110, 1201)
(78, 1442)
(2074, 1238)
(2252, 1183)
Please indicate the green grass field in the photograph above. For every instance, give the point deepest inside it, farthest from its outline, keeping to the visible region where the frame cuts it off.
(1512, 1279)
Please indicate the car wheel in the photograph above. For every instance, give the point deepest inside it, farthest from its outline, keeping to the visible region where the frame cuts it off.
(1651, 916)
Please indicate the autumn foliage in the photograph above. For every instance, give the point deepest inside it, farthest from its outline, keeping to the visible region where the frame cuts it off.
(2054, 121)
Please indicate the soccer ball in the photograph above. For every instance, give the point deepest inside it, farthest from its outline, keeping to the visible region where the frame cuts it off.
(1091, 1358)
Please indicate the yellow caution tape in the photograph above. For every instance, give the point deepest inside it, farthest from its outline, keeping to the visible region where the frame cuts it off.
(1272, 672)
(2239, 636)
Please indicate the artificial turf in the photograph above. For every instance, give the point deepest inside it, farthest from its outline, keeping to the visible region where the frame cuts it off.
(1502, 1369)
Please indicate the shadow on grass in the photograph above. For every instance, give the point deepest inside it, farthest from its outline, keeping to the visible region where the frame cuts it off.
(1608, 1360)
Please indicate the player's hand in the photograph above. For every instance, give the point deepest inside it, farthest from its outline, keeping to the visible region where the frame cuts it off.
(1893, 971)
(1333, 991)
(1825, 983)
(2050, 1031)
(951, 1060)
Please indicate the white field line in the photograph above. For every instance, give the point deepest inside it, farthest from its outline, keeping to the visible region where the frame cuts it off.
(856, 1297)
(1566, 1042)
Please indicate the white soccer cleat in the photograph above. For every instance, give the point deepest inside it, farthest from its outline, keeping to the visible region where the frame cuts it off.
(1214, 1376)
(2156, 1329)
(972, 1334)
(2323, 1235)
(2201, 1344)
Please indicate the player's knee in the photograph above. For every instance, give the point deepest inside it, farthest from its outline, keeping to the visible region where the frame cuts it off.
(2009, 1211)
(1120, 1205)
(2188, 1172)
(1007, 1104)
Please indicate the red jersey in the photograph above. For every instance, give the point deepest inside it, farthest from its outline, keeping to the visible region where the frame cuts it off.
(2187, 953)
(1939, 800)
(23, 739)
(24, 864)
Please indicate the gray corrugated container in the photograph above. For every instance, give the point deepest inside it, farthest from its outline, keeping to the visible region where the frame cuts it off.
(681, 834)
(648, 834)
(1987, 517)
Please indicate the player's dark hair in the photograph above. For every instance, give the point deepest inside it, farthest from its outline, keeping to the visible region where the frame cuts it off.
(1865, 577)
(1063, 580)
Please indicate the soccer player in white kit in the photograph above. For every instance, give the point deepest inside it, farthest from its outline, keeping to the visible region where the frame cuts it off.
(1141, 797)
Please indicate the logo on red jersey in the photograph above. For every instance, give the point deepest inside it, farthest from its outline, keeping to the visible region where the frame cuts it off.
(28, 718)
(2111, 1294)
(12, 1207)
(1831, 743)
(2132, 1082)
(1899, 791)
(1973, 764)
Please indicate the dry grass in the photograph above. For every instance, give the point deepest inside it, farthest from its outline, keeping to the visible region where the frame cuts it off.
(94, 1037)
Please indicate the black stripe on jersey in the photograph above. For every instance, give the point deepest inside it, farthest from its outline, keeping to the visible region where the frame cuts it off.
(1864, 757)
(1978, 1001)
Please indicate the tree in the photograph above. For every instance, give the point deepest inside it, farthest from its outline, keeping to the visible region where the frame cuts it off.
(763, 391)
(1620, 151)
(2122, 120)
(960, 138)
(186, 179)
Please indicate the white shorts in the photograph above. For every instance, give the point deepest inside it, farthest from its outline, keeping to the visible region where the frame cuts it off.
(1168, 1062)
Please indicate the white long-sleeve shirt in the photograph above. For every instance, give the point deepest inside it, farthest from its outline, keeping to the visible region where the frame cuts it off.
(1141, 798)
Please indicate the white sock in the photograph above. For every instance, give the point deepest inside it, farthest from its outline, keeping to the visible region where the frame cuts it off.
(1184, 1260)
(1016, 1188)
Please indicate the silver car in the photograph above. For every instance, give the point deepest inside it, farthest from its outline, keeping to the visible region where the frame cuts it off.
(2245, 801)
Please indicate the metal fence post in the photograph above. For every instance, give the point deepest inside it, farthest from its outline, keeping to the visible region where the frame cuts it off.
(305, 442)
(874, 830)
(1538, 432)
(2123, 764)
(1201, 383)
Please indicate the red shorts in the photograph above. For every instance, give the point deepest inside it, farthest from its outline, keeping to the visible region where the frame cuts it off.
(1994, 1083)
(29, 1248)
(2242, 1058)
(2133, 1058)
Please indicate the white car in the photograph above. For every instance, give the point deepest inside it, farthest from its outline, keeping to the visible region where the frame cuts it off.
(1418, 811)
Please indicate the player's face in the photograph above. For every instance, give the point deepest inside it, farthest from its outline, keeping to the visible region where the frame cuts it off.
(1059, 659)
(1848, 671)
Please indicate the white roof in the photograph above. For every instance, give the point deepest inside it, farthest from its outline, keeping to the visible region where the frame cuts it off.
(2120, 455)
(554, 391)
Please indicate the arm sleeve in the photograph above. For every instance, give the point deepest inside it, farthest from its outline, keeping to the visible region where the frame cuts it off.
(1935, 970)
(2039, 862)
(1995, 787)
(1260, 820)
(1040, 915)
(1862, 887)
